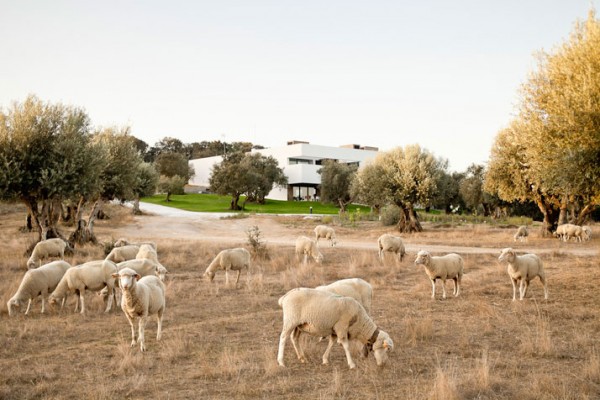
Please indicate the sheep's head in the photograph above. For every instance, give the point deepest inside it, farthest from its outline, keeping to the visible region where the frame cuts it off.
(423, 258)
(31, 264)
(12, 303)
(507, 255)
(381, 347)
(121, 242)
(210, 275)
(162, 272)
(319, 257)
(127, 278)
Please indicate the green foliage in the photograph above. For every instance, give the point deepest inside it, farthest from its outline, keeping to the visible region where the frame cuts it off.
(336, 180)
(390, 215)
(170, 164)
(258, 248)
(146, 180)
(171, 185)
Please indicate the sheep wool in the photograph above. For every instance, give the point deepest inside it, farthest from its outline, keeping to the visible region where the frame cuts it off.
(325, 232)
(307, 247)
(392, 244)
(229, 259)
(450, 266)
(47, 248)
(522, 269)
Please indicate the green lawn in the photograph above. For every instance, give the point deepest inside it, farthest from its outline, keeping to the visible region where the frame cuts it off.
(216, 203)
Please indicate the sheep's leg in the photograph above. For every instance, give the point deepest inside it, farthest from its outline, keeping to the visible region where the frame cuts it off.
(514, 285)
(443, 288)
(131, 323)
(43, 304)
(226, 277)
(328, 350)
(238, 276)
(141, 328)
(521, 289)
(81, 297)
(346, 346)
(109, 303)
(433, 288)
(526, 286)
(381, 254)
(285, 332)
(28, 306)
(159, 317)
(305, 258)
(543, 280)
(294, 336)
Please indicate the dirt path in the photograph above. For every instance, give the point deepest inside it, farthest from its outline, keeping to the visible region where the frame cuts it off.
(170, 223)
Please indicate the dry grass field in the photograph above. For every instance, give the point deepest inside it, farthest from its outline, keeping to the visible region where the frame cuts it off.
(221, 343)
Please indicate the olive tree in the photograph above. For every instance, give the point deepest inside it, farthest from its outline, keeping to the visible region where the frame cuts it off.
(336, 180)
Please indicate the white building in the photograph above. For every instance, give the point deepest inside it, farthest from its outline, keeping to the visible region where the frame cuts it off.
(299, 161)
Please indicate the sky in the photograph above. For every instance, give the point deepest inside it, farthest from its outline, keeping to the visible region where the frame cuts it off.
(443, 74)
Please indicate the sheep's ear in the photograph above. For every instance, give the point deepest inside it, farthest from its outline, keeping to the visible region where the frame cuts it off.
(137, 277)
(115, 275)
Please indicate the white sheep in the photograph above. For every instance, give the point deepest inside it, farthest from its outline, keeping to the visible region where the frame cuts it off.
(38, 282)
(142, 297)
(523, 269)
(325, 232)
(392, 244)
(144, 267)
(450, 266)
(123, 253)
(308, 247)
(124, 242)
(229, 259)
(147, 251)
(521, 234)
(587, 232)
(93, 275)
(567, 231)
(320, 313)
(47, 248)
(357, 288)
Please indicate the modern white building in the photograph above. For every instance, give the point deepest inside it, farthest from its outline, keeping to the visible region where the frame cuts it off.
(300, 162)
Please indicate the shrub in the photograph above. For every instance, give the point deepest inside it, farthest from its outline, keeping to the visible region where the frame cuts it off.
(256, 243)
(390, 215)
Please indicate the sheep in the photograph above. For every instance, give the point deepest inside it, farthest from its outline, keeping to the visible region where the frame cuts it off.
(229, 259)
(391, 243)
(566, 231)
(38, 282)
(142, 297)
(123, 253)
(124, 242)
(587, 232)
(93, 275)
(162, 272)
(326, 232)
(308, 247)
(450, 266)
(356, 288)
(523, 268)
(320, 313)
(47, 248)
(144, 267)
(521, 234)
(147, 251)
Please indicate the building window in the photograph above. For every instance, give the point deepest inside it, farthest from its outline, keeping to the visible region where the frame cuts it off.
(292, 161)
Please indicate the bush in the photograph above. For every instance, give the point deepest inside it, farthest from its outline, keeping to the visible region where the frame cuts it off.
(390, 215)
(256, 243)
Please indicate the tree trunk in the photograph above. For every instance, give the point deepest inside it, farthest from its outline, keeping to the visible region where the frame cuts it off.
(409, 222)
(168, 196)
(136, 206)
(564, 211)
(585, 212)
(233, 205)
(550, 218)
(85, 230)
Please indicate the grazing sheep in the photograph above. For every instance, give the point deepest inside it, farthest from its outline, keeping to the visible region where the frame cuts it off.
(523, 269)
(144, 267)
(587, 232)
(38, 282)
(47, 248)
(93, 275)
(326, 232)
(450, 266)
(229, 259)
(124, 242)
(123, 253)
(356, 288)
(392, 244)
(522, 234)
(567, 231)
(142, 297)
(308, 247)
(147, 251)
(320, 313)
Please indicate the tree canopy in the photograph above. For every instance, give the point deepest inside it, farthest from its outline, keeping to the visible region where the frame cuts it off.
(336, 181)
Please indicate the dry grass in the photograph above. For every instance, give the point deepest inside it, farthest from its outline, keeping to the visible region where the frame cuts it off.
(221, 342)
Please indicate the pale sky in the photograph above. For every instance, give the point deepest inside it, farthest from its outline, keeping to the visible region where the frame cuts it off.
(443, 74)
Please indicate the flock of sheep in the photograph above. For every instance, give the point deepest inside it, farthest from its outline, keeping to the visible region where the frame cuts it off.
(339, 311)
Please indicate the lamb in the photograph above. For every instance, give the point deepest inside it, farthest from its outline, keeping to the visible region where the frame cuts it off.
(308, 247)
(93, 275)
(47, 248)
(567, 231)
(450, 266)
(523, 269)
(320, 313)
(229, 259)
(587, 232)
(38, 282)
(392, 244)
(142, 297)
(522, 234)
(124, 242)
(147, 251)
(326, 232)
(356, 288)
(123, 253)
